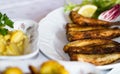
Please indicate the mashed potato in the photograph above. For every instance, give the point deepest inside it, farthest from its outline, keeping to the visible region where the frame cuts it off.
(13, 43)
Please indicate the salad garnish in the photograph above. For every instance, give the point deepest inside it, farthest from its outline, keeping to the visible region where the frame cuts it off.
(102, 5)
(5, 21)
(111, 15)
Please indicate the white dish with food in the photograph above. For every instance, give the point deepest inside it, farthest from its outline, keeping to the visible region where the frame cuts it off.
(28, 27)
(52, 36)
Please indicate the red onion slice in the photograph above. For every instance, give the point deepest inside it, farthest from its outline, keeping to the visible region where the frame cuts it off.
(111, 15)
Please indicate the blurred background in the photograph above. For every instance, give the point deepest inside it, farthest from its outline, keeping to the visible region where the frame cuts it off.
(29, 9)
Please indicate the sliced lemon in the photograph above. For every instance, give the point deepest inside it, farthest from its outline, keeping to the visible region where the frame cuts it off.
(87, 10)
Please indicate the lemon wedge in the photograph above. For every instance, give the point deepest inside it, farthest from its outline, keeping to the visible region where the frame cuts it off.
(87, 10)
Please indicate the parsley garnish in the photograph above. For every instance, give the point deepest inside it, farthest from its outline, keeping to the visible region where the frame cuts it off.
(5, 21)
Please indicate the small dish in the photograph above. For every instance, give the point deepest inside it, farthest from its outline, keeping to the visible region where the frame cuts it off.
(29, 27)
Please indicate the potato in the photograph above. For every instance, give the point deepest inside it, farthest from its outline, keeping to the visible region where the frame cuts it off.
(20, 46)
(17, 36)
(7, 37)
(12, 49)
(2, 47)
(13, 43)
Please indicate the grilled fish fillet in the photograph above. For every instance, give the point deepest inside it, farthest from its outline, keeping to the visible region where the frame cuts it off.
(75, 27)
(86, 42)
(72, 25)
(93, 34)
(85, 21)
(96, 59)
(96, 49)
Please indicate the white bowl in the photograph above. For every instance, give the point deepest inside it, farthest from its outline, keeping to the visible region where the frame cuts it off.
(30, 28)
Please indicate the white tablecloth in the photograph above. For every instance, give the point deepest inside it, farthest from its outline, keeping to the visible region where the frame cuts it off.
(29, 9)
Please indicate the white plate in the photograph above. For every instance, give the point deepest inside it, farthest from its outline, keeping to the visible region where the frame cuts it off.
(29, 27)
(52, 37)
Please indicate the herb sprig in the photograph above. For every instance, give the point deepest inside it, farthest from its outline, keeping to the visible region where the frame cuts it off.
(5, 21)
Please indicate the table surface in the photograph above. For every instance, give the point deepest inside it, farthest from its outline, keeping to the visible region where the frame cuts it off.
(29, 9)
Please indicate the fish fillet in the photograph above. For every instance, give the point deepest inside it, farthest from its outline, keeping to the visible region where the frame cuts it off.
(85, 21)
(96, 49)
(86, 42)
(96, 59)
(93, 34)
(75, 27)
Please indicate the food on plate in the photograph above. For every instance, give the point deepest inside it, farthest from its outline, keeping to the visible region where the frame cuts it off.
(86, 21)
(96, 59)
(111, 15)
(91, 43)
(52, 67)
(12, 70)
(91, 39)
(87, 42)
(12, 42)
(102, 5)
(87, 10)
(96, 49)
(93, 34)
(74, 27)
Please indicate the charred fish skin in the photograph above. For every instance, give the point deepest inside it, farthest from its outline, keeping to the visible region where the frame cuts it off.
(86, 42)
(75, 27)
(71, 25)
(96, 59)
(90, 40)
(96, 49)
(85, 21)
(93, 34)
